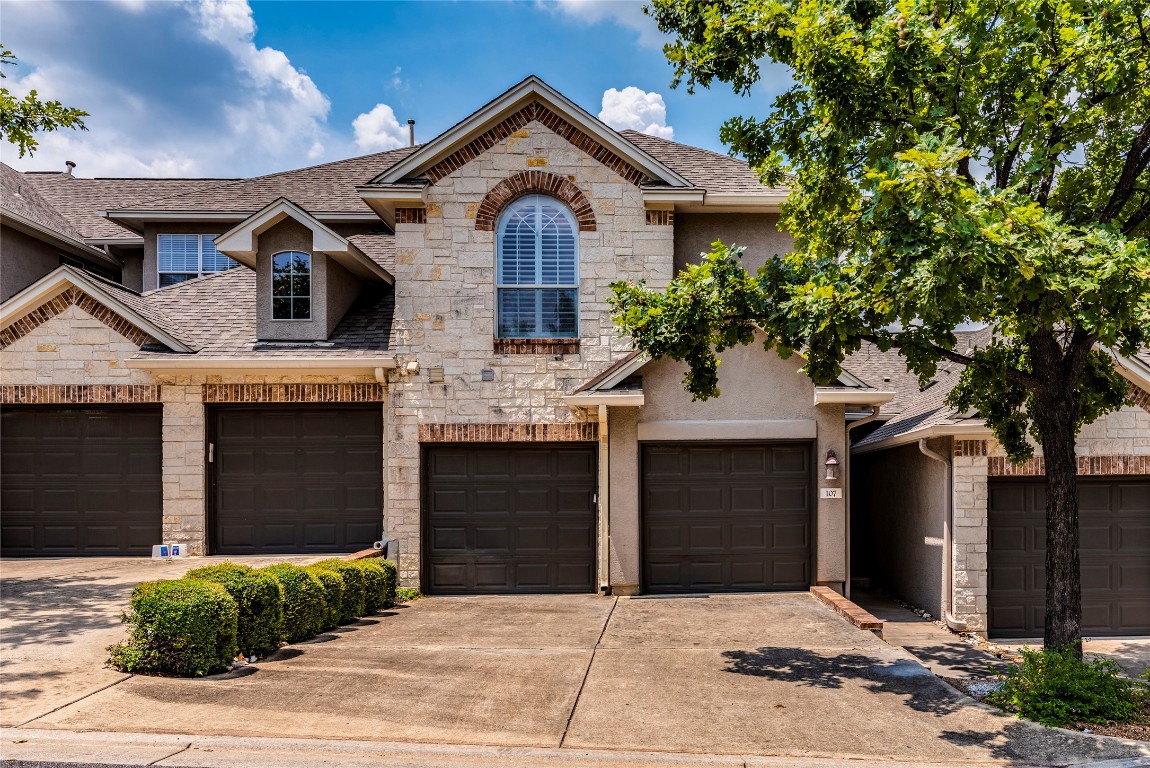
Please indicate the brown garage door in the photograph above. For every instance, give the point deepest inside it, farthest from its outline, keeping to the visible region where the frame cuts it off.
(726, 518)
(296, 479)
(1114, 523)
(509, 518)
(80, 481)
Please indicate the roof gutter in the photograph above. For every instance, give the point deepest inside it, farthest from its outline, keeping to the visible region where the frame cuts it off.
(364, 366)
(850, 396)
(631, 397)
(973, 429)
(39, 230)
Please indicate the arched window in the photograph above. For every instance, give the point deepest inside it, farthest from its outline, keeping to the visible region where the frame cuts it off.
(537, 270)
(291, 286)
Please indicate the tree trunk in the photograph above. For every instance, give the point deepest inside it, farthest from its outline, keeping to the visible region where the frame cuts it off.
(1057, 425)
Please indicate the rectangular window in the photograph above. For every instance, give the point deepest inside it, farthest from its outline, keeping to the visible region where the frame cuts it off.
(182, 257)
(291, 286)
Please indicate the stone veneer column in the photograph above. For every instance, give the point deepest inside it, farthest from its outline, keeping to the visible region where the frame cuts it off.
(969, 536)
(184, 466)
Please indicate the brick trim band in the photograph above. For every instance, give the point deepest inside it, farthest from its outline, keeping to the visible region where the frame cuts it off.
(970, 448)
(78, 394)
(529, 182)
(518, 121)
(410, 215)
(60, 302)
(567, 432)
(536, 346)
(1088, 466)
(293, 393)
(661, 218)
(1140, 397)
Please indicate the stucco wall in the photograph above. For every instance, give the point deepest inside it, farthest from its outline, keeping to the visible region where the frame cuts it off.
(23, 261)
(132, 272)
(772, 400)
(445, 309)
(759, 232)
(898, 511)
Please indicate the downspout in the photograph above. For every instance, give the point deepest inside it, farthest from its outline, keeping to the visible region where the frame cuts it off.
(604, 502)
(947, 602)
(875, 410)
(391, 548)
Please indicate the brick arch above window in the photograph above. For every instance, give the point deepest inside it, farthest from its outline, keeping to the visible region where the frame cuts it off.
(534, 183)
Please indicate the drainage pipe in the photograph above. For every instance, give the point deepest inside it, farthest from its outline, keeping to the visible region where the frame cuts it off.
(604, 502)
(875, 410)
(947, 602)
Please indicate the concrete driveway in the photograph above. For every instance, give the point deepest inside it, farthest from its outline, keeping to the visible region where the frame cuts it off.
(721, 675)
(57, 616)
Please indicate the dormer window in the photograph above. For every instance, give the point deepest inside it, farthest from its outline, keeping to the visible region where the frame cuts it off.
(537, 268)
(291, 286)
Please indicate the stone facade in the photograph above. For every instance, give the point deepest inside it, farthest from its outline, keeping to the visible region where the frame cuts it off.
(445, 304)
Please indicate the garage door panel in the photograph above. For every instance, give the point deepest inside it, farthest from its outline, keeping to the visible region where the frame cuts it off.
(1114, 554)
(509, 518)
(80, 481)
(726, 517)
(297, 479)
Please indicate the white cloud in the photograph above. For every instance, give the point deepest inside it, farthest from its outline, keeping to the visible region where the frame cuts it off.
(636, 109)
(626, 13)
(172, 88)
(379, 130)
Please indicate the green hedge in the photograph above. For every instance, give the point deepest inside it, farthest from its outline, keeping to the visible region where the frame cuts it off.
(183, 627)
(353, 588)
(305, 601)
(260, 600)
(379, 583)
(333, 588)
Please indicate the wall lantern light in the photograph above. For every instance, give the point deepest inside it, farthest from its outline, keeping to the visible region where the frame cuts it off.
(832, 464)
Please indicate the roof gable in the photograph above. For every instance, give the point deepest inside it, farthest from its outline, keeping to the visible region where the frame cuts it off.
(122, 310)
(530, 100)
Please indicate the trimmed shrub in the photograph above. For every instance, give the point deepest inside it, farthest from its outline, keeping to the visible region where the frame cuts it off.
(305, 601)
(407, 594)
(333, 589)
(353, 582)
(179, 627)
(1054, 687)
(260, 600)
(379, 583)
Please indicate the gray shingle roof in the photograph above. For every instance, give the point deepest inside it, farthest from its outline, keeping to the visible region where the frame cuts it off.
(709, 170)
(379, 247)
(216, 315)
(327, 187)
(81, 201)
(21, 197)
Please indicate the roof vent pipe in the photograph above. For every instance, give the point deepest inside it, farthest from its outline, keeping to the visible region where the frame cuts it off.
(410, 133)
(70, 166)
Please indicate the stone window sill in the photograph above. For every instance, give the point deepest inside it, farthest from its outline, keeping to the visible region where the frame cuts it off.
(536, 346)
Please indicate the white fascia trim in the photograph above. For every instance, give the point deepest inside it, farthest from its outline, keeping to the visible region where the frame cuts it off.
(76, 246)
(114, 240)
(397, 193)
(56, 281)
(973, 429)
(770, 200)
(848, 395)
(673, 195)
(240, 242)
(531, 88)
(627, 398)
(313, 365)
(1132, 369)
(623, 373)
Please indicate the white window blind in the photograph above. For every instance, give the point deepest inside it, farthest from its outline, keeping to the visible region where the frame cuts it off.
(537, 270)
(183, 257)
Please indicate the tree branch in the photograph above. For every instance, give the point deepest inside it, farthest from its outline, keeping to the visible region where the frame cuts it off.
(1018, 377)
(1136, 161)
(1140, 215)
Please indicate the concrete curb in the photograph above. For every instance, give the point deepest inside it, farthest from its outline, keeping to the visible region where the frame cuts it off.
(141, 749)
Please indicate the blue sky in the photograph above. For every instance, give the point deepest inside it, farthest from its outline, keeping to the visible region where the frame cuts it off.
(228, 88)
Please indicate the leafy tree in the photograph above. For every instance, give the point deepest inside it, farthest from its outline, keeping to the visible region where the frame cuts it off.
(22, 119)
(975, 159)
